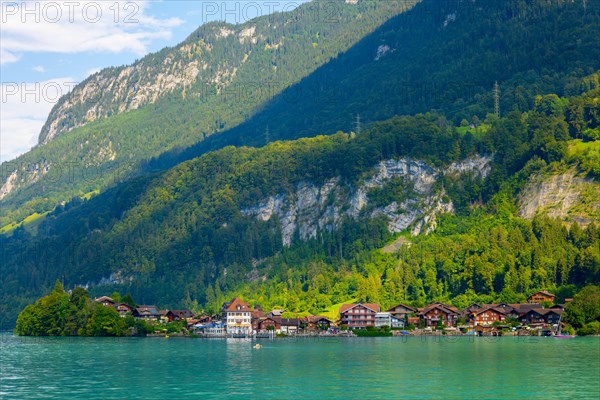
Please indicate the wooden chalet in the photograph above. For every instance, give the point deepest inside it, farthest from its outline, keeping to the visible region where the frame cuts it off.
(487, 330)
(177, 315)
(488, 315)
(436, 313)
(359, 315)
(204, 319)
(470, 309)
(105, 301)
(124, 309)
(316, 323)
(147, 312)
(290, 326)
(265, 324)
(276, 313)
(543, 316)
(541, 297)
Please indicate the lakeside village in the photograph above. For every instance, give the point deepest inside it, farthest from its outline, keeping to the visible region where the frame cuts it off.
(237, 319)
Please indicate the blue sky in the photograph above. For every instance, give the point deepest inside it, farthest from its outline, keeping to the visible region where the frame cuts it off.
(46, 47)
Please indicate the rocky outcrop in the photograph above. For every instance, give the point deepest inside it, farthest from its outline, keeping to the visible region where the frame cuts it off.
(187, 68)
(9, 185)
(478, 165)
(119, 90)
(568, 196)
(311, 207)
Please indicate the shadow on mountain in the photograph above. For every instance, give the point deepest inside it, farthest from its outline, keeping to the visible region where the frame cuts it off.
(441, 55)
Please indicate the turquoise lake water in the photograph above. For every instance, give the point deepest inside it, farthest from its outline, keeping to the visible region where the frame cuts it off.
(303, 368)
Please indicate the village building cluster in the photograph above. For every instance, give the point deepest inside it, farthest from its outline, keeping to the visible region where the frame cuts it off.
(239, 319)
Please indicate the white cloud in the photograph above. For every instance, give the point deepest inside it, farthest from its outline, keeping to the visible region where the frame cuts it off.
(7, 57)
(25, 108)
(63, 27)
(74, 27)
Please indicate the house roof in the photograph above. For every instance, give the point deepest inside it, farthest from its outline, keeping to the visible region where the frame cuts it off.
(440, 306)
(549, 311)
(238, 305)
(499, 310)
(523, 308)
(276, 313)
(290, 322)
(371, 306)
(103, 299)
(147, 310)
(544, 292)
(277, 320)
(183, 313)
(544, 311)
(316, 318)
(413, 309)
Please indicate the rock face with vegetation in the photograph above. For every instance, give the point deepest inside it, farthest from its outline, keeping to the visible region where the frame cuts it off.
(400, 190)
(570, 196)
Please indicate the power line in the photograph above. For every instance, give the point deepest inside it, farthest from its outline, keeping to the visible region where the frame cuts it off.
(497, 99)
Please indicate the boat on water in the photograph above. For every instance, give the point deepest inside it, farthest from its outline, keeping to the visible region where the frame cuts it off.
(563, 336)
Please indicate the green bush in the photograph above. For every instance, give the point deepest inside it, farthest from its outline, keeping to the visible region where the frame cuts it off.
(592, 328)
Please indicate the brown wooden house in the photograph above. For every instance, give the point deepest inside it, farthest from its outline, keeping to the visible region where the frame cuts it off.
(316, 323)
(541, 297)
(124, 309)
(264, 324)
(359, 315)
(433, 314)
(536, 316)
(177, 315)
(105, 301)
(147, 312)
(488, 315)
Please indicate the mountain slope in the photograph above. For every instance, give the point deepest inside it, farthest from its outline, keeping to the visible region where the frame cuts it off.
(443, 55)
(246, 219)
(211, 82)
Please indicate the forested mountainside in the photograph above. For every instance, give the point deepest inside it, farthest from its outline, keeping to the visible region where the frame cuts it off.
(280, 48)
(440, 55)
(221, 75)
(307, 224)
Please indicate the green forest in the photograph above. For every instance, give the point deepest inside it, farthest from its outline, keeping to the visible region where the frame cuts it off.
(75, 314)
(179, 238)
